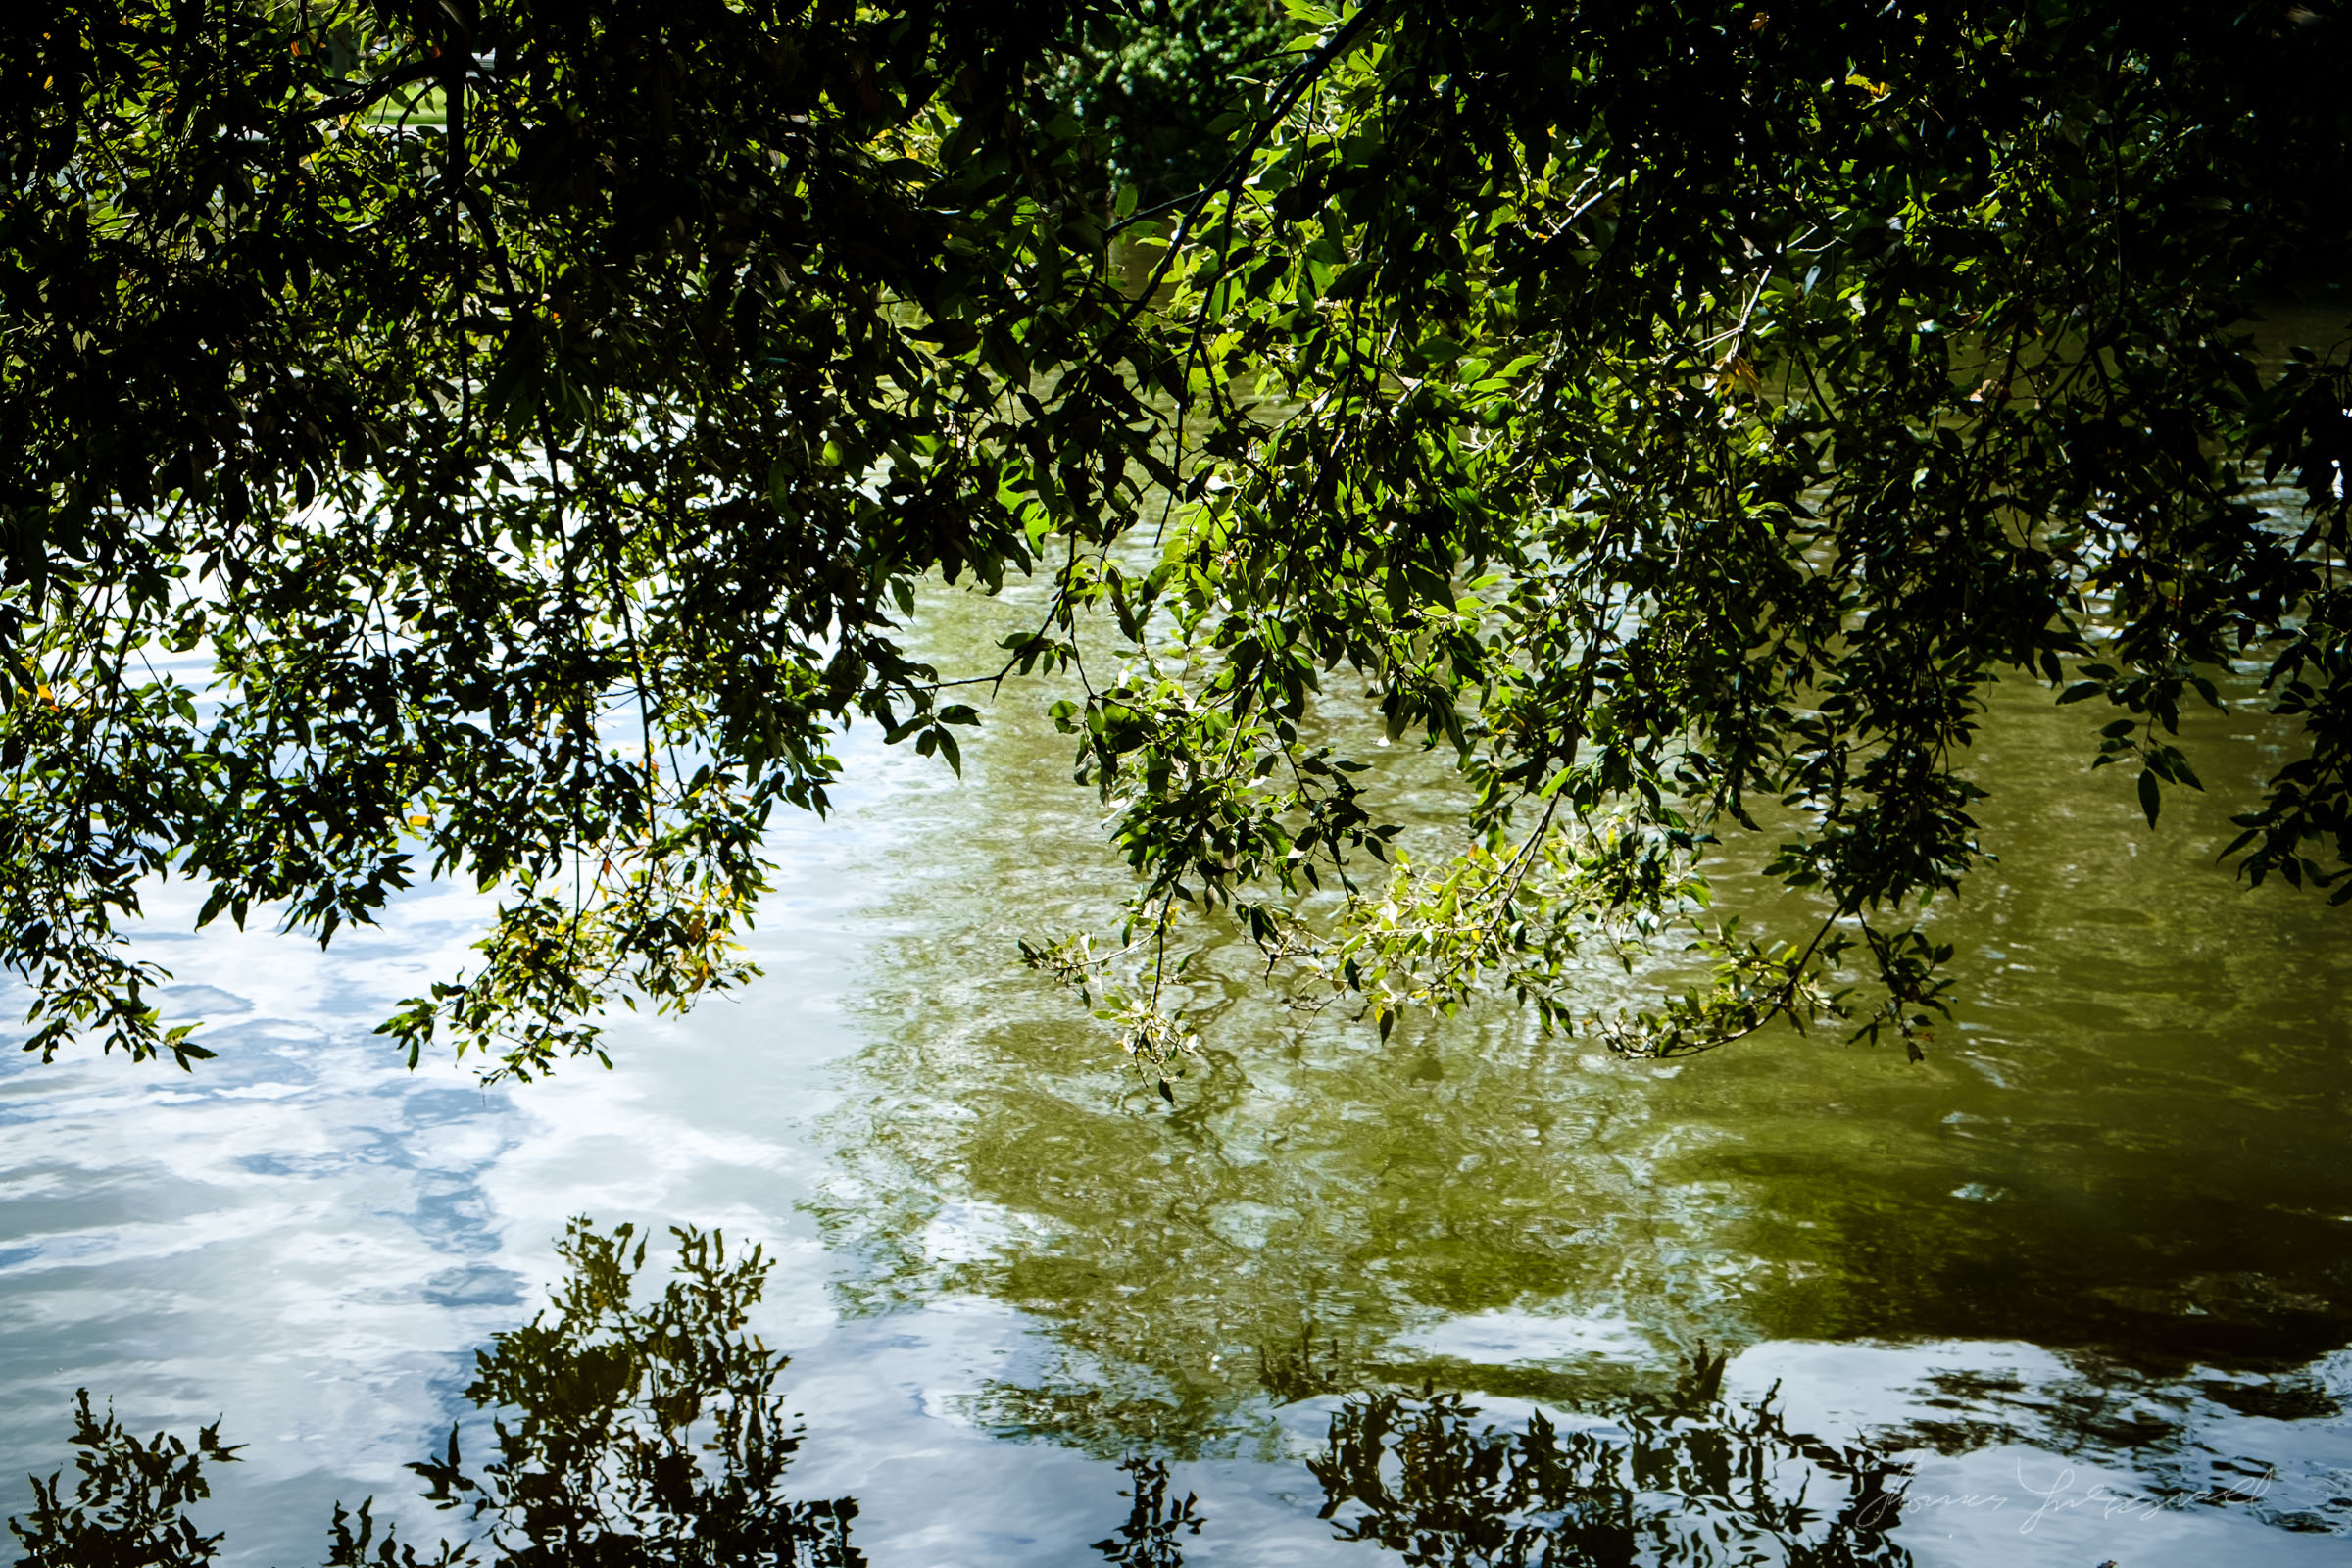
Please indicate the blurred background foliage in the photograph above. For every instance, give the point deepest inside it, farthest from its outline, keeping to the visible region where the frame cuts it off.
(1156, 88)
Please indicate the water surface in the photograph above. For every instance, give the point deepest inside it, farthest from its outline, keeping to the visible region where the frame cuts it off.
(2086, 1268)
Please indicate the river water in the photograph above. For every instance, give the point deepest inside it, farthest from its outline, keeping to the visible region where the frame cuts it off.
(2087, 1271)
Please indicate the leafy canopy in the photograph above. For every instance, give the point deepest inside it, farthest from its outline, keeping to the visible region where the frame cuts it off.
(534, 418)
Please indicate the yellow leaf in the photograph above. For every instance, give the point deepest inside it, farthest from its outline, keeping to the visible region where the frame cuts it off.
(1877, 89)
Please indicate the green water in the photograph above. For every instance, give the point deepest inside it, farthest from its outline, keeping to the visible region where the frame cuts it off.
(2126, 1145)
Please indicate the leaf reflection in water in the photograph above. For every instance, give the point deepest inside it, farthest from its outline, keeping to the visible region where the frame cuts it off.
(1150, 1535)
(653, 1435)
(627, 1435)
(1688, 1478)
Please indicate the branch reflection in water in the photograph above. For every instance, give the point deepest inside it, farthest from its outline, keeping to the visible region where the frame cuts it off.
(1684, 1478)
(631, 1436)
(625, 1435)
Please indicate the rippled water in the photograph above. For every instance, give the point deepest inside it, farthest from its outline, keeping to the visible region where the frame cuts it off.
(2092, 1255)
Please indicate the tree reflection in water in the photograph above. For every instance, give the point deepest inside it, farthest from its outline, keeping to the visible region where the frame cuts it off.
(1686, 1479)
(627, 1435)
(647, 1436)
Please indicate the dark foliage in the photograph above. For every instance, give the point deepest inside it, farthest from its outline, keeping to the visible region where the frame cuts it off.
(533, 420)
